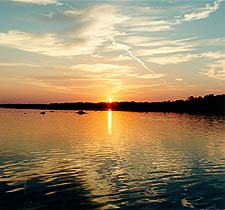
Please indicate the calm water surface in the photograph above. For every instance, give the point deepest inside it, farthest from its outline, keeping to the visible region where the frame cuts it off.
(110, 160)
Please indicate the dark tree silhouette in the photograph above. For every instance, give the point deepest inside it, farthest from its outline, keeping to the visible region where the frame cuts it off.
(208, 104)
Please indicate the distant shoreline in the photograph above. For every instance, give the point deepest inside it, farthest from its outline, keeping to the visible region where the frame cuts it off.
(209, 104)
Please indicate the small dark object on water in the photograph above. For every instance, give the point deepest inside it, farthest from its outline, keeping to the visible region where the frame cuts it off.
(42, 113)
(81, 112)
(24, 113)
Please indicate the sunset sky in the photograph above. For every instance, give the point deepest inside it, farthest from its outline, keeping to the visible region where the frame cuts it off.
(70, 50)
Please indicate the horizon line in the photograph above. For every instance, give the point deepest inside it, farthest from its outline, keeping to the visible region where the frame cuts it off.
(169, 100)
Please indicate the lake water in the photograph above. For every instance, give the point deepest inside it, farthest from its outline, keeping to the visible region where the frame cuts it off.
(110, 160)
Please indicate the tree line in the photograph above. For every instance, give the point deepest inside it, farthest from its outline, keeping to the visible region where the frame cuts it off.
(209, 104)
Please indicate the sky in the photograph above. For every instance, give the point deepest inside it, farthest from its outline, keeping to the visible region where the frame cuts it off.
(146, 50)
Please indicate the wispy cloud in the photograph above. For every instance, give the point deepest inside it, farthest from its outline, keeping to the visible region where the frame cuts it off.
(97, 26)
(172, 59)
(146, 25)
(204, 12)
(156, 48)
(151, 76)
(71, 83)
(48, 15)
(46, 44)
(41, 2)
(122, 58)
(98, 21)
(158, 23)
(179, 79)
(101, 68)
(180, 58)
(18, 64)
(139, 40)
(216, 70)
(164, 50)
(153, 28)
(111, 71)
(214, 55)
(49, 44)
(155, 42)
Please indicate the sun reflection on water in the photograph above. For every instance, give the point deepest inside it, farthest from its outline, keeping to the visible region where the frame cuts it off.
(110, 122)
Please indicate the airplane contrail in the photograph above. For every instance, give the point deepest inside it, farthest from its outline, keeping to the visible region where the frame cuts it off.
(127, 49)
(139, 61)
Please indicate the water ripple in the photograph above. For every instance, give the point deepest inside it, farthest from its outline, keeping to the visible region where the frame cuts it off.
(155, 161)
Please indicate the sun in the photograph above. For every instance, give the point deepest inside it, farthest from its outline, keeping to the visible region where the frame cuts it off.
(110, 100)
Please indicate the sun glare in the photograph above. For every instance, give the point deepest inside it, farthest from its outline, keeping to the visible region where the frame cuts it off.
(110, 100)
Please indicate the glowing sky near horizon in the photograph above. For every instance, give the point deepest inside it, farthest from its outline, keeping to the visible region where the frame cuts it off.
(67, 50)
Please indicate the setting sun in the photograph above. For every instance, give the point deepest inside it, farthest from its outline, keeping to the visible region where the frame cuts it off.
(110, 100)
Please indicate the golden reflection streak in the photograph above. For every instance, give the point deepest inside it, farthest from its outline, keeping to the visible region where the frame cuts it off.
(110, 122)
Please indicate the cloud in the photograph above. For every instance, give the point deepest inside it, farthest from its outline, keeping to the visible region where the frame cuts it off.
(212, 41)
(155, 28)
(149, 46)
(111, 71)
(46, 44)
(18, 64)
(151, 76)
(101, 68)
(49, 44)
(146, 25)
(155, 23)
(71, 83)
(203, 13)
(41, 2)
(48, 15)
(216, 70)
(98, 21)
(139, 40)
(173, 59)
(122, 58)
(180, 58)
(73, 13)
(164, 50)
(144, 41)
(214, 55)
(97, 26)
